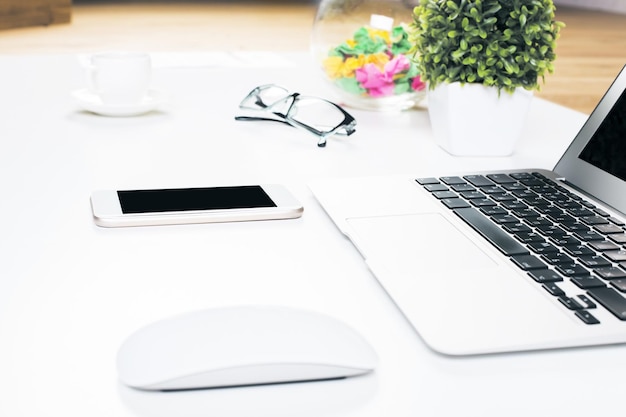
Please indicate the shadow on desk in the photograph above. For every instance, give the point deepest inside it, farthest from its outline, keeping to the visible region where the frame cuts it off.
(280, 400)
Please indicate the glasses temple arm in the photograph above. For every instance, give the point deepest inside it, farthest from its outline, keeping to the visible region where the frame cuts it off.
(256, 119)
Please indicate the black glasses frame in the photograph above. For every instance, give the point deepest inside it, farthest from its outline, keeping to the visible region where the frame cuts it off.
(345, 128)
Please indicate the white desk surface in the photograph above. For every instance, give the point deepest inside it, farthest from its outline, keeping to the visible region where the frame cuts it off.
(71, 292)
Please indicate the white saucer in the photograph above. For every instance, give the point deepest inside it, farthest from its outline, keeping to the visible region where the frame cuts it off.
(90, 101)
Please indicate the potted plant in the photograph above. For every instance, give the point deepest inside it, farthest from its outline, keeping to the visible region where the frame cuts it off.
(482, 60)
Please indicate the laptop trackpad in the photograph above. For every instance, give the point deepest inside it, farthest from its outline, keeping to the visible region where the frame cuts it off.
(406, 243)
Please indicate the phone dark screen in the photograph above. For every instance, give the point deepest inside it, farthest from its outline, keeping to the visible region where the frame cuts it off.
(187, 199)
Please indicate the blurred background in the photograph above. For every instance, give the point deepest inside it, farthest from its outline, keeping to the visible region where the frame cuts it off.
(591, 50)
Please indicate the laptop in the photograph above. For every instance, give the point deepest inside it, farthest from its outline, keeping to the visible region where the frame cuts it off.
(503, 261)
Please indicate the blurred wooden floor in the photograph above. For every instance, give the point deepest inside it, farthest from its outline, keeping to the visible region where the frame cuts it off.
(591, 50)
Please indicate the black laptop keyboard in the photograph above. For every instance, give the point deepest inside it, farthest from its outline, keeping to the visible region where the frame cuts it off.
(549, 232)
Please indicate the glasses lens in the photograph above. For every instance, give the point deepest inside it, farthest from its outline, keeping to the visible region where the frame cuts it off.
(316, 113)
(263, 97)
(271, 94)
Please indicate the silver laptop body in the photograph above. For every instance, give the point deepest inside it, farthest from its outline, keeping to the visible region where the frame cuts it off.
(465, 296)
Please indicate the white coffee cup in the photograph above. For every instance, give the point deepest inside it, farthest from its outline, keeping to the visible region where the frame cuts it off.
(120, 78)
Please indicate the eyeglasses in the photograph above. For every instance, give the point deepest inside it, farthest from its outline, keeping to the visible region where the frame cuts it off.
(315, 115)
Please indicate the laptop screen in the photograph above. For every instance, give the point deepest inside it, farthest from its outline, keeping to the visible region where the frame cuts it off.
(607, 147)
(595, 161)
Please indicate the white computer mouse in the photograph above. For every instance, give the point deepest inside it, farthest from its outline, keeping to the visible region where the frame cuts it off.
(237, 346)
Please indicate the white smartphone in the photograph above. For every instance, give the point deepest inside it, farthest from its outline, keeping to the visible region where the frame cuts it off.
(193, 205)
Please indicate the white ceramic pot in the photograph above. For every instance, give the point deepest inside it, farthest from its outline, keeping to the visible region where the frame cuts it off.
(474, 120)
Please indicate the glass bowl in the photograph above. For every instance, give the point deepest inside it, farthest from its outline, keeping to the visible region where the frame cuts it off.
(362, 49)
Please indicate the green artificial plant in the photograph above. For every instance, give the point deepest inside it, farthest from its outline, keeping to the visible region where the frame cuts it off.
(501, 43)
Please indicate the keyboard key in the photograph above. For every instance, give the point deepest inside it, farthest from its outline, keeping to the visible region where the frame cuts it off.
(586, 302)
(496, 236)
(553, 289)
(444, 194)
(575, 227)
(529, 237)
(601, 212)
(603, 245)
(611, 300)
(472, 195)
(570, 303)
(528, 262)
(461, 188)
(501, 178)
(618, 238)
(545, 275)
(579, 250)
(592, 220)
(608, 228)
(524, 176)
(453, 203)
(492, 190)
(569, 204)
(542, 247)
(616, 255)
(562, 218)
(555, 197)
(493, 210)
(424, 181)
(537, 221)
(558, 258)
(586, 317)
(540, 222)
(483, 202)
(562, 201)
(610, 272)
(563, 241)
(531, 182)
(580, 212)
(515, 228)
(540, 175)
(514, 186)
(536, 202)
(505, 218)
(527, 213)
(588, 236)
(588, 204)
(547, 209)
(435, 187)
(587, 281)
(594, 261)
(619, 284)
(525, 194)
(478, 180)
(572, 270)
(551, 211)
(514, 205)
(503, 197)
(544, 189)
(453, 180)
(552, 231)
(570, 194)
